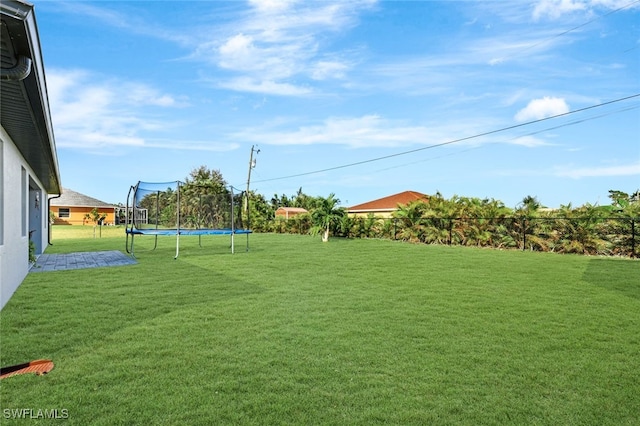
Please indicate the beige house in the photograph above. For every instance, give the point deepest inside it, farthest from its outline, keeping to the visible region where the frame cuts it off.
(71, 208)
(289, 212)
(384, 207)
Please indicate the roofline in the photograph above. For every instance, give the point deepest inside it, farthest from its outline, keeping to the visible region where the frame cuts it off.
(17, 9)
(22, 11)
(83, 205)
(388, 209)
(421, 197)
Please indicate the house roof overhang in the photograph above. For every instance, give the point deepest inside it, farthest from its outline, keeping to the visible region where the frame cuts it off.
(388, 210)
(293, 209)
(70, 198)
(24, 103)
(389, 203)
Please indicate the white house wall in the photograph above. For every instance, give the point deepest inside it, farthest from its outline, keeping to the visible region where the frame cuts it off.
(19, 214)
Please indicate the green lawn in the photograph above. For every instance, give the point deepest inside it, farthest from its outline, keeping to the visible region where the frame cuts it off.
(348, 332)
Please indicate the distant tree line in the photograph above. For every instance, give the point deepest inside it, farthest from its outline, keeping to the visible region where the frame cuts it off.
(612, 230)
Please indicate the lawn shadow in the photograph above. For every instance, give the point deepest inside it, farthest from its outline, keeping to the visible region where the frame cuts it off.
(617, 275)
(91, 304)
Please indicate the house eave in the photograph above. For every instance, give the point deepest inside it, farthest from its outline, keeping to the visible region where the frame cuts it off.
(372, 210)
(24, 108)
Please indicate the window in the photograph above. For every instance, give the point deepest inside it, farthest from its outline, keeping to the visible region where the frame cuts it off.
(63, 213)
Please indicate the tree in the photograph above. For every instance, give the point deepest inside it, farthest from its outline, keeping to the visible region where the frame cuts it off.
(205, 200)
(210, 179)
(96, 217)
(410, 221)
(530, 204)
(622, 227)
(619, 199)
(262, 212)
(527, 227)
(324, 214)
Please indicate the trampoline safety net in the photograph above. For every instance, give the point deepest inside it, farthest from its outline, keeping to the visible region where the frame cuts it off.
(179, 208)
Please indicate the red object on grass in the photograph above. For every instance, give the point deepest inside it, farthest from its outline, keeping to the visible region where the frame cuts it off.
(39, 367)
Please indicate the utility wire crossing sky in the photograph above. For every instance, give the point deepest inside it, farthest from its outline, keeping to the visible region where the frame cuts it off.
(471, 137)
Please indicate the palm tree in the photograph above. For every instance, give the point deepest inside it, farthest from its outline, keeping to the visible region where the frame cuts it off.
(325, 214)
(438, 218)
(526, 226)
(410, 221)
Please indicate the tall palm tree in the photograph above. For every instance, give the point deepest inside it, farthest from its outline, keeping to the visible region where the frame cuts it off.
(326, 213)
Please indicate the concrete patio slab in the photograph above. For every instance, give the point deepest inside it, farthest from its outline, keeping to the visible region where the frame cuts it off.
(81, 260)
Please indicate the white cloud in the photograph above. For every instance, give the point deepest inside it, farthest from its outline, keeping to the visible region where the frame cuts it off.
(582, 172)
(237, 52)
(358, 132)
(272, 6)
(248, 84)
(324, 70)
(191, 145)
(542, 108)
(125, 20)
(244, 54)
(554, 9)
(529, 142)
(96, 114)
(142, 94)
(279, 40)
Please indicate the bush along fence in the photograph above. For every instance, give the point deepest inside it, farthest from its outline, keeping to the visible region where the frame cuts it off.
(591, 235)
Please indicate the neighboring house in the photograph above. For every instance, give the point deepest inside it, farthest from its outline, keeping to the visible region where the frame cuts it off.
(28, 160)
(289, 212)
(72, 207)
(384, 207)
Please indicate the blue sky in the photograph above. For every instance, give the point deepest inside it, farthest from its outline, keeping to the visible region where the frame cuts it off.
(400, 93)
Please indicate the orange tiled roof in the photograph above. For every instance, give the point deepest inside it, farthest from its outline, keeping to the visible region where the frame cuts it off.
(389, 203)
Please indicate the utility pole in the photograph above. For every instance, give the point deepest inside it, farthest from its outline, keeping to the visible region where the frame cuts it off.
(252, 164)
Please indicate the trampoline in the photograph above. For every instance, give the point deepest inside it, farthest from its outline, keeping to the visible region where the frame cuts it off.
(182, 208)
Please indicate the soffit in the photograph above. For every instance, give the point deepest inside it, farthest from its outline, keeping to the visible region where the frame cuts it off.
(24, 112)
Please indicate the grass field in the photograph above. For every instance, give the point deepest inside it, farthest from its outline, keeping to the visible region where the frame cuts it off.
(348, 332)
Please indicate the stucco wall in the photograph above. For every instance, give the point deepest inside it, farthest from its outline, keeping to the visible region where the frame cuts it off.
(17, 220)
(378, 214)
(287, 214)
(76, 215)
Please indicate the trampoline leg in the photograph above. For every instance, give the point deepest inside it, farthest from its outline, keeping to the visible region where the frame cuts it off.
(177, 246)
(130, 248)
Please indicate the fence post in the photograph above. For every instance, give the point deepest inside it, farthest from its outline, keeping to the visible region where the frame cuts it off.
(450, 226)
(633, 238)
(395, 230)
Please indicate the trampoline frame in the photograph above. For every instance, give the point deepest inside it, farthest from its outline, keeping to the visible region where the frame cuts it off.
(132, 230)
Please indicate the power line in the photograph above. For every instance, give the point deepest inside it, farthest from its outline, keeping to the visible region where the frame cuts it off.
(584, 24)
(478, 135)
(546, 129)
